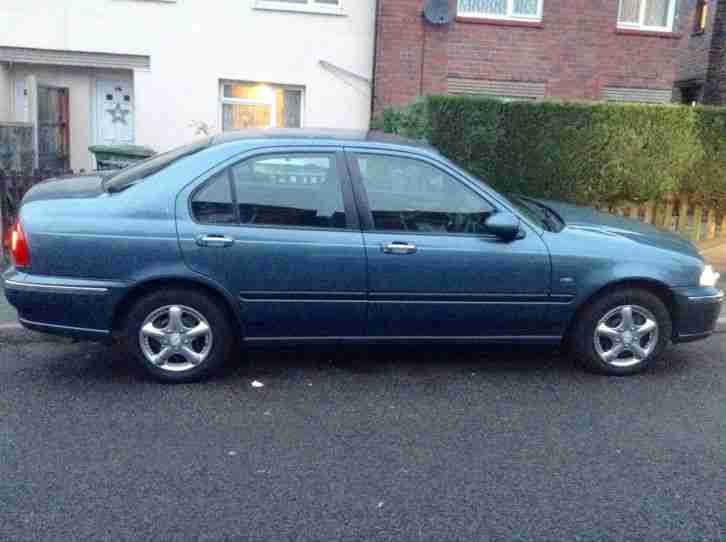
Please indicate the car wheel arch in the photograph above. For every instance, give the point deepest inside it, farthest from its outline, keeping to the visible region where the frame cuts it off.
(142, 288)
(659, 289)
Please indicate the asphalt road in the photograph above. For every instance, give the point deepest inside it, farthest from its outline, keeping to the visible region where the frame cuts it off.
(388, 445)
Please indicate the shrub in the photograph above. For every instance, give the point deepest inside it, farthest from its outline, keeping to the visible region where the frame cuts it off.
(408, 121)
(587, 153)
(707, 177)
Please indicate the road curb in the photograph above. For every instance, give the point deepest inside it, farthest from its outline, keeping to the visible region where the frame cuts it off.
(14, 333)
(721, 324)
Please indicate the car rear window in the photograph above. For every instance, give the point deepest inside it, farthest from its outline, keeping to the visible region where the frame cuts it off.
(151, 166)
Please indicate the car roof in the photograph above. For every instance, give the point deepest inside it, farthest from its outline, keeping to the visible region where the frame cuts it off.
(321, 136)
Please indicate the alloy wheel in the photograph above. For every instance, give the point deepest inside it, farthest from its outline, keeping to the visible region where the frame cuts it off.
(626, 336)
(176, 338)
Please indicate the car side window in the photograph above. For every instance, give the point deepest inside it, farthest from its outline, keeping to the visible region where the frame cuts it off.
(291, 189)
(214, 204)
(407, 194)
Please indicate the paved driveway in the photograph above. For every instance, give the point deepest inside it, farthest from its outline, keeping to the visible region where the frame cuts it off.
(391, 445)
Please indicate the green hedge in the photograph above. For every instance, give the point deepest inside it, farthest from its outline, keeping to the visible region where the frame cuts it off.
(580, 152)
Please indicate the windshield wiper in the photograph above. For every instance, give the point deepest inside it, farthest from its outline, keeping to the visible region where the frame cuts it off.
(539, 213)
(554, 220)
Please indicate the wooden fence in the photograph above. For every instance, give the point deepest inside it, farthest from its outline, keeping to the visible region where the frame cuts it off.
(692, 217)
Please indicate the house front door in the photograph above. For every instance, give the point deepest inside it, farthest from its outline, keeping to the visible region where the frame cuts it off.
(115, 113)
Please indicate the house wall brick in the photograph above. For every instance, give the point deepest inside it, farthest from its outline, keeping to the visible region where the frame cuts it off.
(693, 60)
(575, 51)
(701, 60)
(715, 88)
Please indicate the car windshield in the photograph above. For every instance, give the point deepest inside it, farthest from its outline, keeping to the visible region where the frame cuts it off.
(537, 212)
(146, 168)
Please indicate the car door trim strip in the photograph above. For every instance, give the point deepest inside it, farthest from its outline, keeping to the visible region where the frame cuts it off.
(403, 297)
(55, 288)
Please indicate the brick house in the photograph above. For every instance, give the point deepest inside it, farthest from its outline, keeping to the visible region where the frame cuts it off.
(701, 74)
(621, 50)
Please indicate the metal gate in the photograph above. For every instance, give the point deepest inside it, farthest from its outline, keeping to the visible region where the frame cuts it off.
(53, 128)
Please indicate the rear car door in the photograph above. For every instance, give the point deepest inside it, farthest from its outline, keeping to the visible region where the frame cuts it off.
(433, 270)
(279, 230)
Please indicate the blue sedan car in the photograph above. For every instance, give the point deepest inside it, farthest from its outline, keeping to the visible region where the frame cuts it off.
(306, 237)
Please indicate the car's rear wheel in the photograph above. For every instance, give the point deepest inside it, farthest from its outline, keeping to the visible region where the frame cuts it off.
(179, 335)
(622, 332)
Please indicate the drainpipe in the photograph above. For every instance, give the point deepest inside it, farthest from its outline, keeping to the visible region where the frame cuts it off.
(375, 57)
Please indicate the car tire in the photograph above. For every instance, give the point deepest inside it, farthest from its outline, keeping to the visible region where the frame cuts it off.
(179, 335)
(608, 341)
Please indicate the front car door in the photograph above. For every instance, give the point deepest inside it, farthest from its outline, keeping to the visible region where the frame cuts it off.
(279, 230)
(433, 270)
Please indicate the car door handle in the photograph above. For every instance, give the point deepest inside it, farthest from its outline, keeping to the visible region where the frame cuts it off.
(215, 241)
(397, 247)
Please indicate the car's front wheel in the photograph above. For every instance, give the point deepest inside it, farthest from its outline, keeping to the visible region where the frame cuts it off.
(622, 332)
(179, 335)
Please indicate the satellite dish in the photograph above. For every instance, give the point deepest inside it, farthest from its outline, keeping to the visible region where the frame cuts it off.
(437, 11)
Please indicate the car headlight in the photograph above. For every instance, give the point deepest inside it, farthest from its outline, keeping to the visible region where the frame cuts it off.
(709, 277)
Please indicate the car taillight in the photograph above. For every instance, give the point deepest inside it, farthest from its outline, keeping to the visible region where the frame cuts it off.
(19, 247)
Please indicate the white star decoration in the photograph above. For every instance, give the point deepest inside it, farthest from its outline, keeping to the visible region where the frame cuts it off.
(118, 114)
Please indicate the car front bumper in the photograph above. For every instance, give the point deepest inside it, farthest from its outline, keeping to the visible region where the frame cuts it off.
(696, 313)
(63, 306)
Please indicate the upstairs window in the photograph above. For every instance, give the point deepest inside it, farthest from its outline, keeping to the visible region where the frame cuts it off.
(311, 6)
(648, 15)
(701, 17)
(527, 10)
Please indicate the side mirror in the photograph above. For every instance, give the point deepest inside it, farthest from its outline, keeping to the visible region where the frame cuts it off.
(504, 225)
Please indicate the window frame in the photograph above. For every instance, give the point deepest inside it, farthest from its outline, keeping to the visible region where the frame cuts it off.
(352, 217)
(246, 101)
(701, 16)
(640, 26)
(364, 207)
(509, 16)
(311, 6)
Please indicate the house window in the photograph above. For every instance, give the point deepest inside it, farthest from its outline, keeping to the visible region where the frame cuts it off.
(255, 105)
(530, 10)
(654, 15)
(311, 6)
(701, 17)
